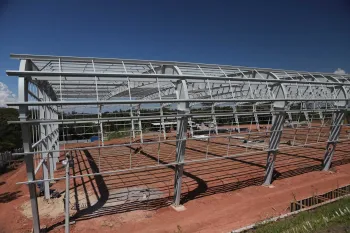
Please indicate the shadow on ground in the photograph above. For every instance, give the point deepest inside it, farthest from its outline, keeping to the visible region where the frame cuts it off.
(201, 189)
(9, 196)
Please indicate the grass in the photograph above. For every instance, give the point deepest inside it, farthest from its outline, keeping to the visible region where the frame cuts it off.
(124, 133)
(117, 134)
(323, 218)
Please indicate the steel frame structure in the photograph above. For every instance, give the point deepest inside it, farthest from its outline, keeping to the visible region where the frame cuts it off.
(50, 86)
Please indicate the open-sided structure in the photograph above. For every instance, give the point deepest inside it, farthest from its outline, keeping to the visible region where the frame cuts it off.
(66, 100)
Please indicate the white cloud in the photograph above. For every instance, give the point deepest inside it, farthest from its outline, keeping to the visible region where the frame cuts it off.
(6, 95)
(339, 71)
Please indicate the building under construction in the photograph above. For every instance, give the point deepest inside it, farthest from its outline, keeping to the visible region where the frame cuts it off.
(167, 123)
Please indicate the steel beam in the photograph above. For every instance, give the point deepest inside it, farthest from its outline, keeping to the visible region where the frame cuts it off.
(51, 142)
(101, 124)
(25, 128)
(67, 198)
(54, 75)
(183, 108)
(57, 144)
(139, 122)
(154, 117)
(321, 117)
(106, 102)
(214, 118)
(45, 146)
(49, 58)
(256, 118)
(275, 137)
(46, 177)
(337, 121)
(162, 121)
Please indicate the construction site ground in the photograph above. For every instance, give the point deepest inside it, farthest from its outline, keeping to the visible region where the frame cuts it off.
(219, 195)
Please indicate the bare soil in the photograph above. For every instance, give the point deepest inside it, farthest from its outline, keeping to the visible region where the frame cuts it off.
(219, 195)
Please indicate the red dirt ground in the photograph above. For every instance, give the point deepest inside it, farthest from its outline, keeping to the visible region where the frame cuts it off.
(219, 195)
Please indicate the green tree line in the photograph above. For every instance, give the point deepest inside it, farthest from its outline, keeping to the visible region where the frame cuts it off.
(10, 134)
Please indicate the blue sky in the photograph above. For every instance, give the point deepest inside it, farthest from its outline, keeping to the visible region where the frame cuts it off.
(312, 35)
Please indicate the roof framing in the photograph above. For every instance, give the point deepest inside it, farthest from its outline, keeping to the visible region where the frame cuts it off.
(83, 79)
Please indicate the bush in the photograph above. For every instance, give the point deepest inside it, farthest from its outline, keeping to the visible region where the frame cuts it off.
(117, 134)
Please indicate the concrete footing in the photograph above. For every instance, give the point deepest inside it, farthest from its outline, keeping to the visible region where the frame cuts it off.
(178, 208)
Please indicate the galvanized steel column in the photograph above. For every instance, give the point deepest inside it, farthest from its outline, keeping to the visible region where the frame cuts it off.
(57, 138)
(25, 128)
(51, 144)
(162, 121)
(181, 130)
(214, 119)
(67, 196)
(139, 122)
(44, 145)
(337, 121)
(256, 118)
(275, 137)
(101, 124)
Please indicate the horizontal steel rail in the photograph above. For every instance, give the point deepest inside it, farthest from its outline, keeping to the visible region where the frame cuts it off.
(105, 102)
(155, 166)
(157, 117)
(157, 62)
(157, 142)
(161, 76)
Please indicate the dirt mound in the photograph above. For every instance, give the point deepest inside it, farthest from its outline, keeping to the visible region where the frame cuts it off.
(54, 208)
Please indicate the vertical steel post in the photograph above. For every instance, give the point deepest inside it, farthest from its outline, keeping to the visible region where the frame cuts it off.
(191, 126)
(132, 124)
(237, 122)
(234, 107)
(57, 144)
(101, 124)
(46, 176)
(44, 145)
(307, 117)
(51, 154)
(181, 130)
(214, 118)
(162, 121)
(25, 128)
(139, 122)
(290, 119)
(275, 137)
(52, 163)
(66, 203)
(337, 120)
(131, 112)
(256, 118)
(50, 139)
(321, 117)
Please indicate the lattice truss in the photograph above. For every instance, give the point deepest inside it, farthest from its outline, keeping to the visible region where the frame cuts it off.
(141, 109)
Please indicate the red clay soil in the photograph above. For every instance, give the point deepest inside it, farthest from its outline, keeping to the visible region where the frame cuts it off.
(219, 195)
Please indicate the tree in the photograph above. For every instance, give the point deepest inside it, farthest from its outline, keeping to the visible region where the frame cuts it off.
(10, 134)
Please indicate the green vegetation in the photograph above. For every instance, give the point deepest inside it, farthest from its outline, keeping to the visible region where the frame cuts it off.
(125, 133)
(328, 218)
(117, 134)
(10, 135)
